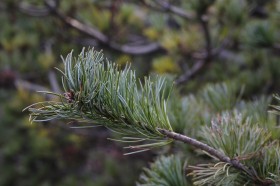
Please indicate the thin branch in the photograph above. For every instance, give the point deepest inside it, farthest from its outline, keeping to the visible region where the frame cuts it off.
(190, 73)
(53, 82)
(114, 9)
(33, 10)
(176, 10)
(9, 80)
(102, 38)
(210, 150)
(202, 62)
(31, 87)
(205, 28)
(19, 83)
(198, 66)
(91, 31)
(167, 7)
(137, 50)
(195, 143)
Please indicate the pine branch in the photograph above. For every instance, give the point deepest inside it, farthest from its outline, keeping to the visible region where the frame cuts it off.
(185, 77)
(202, 61)
(99, 93)
(208, 48)
(176, 10)
(222, 157)
(33, 10)
(102, 38)
(205, 28)
(197, 144)
(53, 82)
(91, 31)
(167, 7)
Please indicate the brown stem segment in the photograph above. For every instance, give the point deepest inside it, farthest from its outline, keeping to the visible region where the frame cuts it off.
(222, 157)
(101, 37)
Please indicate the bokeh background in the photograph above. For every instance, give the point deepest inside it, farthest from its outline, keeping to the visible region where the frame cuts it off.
(192, 43)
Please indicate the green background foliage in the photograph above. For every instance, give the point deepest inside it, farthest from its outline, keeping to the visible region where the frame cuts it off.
(240, 78)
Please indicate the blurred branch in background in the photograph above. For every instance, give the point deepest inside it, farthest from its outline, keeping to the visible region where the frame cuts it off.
(53, 82)
(9, 79)
(103, 39)
(33, 10)
(222, 54)
(140, 115)
(164, 6)
(199, 14)
(203, 60)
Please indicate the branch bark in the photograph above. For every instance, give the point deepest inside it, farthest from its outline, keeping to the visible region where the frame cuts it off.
(205, 28)
(209, 53)
(210, 150)
(198, 66)
(195, 143)
(102, 38)
(185, 77)
(167, 7)
(33, 10)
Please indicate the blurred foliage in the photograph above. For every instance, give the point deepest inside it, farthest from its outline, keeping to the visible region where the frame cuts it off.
(46, 155)
(166, 171)
(31, 45)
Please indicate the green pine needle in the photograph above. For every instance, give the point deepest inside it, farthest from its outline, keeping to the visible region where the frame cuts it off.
(97, 92)
(165, 171)
(218, 174)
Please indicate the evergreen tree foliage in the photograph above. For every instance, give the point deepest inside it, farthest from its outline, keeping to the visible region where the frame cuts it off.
(222, 55)
(242, 151)
(164, 171)
(97, 91)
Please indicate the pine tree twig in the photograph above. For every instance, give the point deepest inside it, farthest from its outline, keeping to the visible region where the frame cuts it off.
(102, 38)
(91, 31)
(99, 93)
(209, 53)
(9, 80)
(203, 60)
(114, 9)
(176, 10)
(185, 77)
(205, 28)
(198, 66)
(33, 10)
(19, 83)
(167, 7)
(31, 87)
(53, 82)
(222, 157)
(202, 146)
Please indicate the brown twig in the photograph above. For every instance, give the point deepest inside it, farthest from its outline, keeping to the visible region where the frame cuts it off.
(202, 62)
(205, 28)
(114, 9)
(195, 143)
(53, 82)
(198, 66)
(102, 38)
(185, 77)
(210, 150)
(167, 7)
(33, 10)
(31, 87)
(176, 10)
